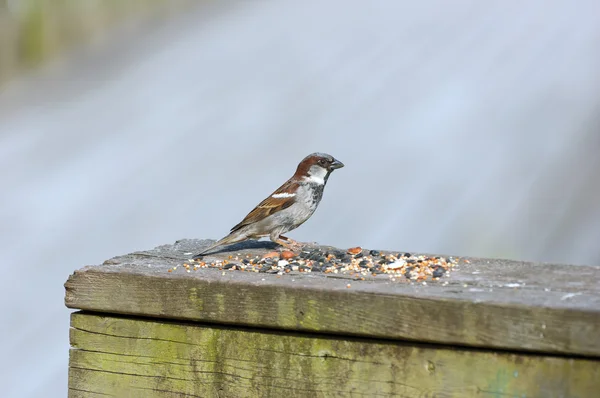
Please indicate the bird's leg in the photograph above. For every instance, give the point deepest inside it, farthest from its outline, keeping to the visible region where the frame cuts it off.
(288, 243)
(289, 240)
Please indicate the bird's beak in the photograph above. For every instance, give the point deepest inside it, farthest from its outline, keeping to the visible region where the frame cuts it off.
(336, 164)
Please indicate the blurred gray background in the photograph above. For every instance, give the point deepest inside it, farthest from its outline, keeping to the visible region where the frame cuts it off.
(467, 128)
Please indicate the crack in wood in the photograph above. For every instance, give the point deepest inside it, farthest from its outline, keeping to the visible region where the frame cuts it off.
(254, 382)
(181, 394)
(131, 337)
(318, 356)
(192, 362)
(161, 376)
(90, 392)
(500, 393)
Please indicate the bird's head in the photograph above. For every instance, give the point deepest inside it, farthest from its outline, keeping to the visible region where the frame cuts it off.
(316, 167)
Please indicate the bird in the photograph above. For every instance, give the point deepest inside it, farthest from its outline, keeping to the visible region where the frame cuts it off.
(288, 207)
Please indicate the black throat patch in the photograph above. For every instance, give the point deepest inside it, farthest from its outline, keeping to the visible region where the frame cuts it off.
(317, 192)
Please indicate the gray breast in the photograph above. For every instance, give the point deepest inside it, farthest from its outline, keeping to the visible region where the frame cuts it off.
(310, 195)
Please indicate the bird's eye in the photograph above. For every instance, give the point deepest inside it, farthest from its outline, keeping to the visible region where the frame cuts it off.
(322, 162)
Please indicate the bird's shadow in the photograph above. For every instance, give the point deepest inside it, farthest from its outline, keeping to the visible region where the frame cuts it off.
(247, 245)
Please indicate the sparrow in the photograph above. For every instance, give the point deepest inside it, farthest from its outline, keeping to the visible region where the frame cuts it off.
(288, 207)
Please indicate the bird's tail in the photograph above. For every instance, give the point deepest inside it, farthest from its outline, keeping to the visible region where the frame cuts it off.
(231, 238)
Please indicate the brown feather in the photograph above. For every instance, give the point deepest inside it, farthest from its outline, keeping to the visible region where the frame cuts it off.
(270, 205)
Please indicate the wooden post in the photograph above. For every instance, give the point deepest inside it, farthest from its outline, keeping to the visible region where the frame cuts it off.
(491, 328)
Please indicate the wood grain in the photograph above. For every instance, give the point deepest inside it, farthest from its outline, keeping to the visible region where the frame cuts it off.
(116, 356)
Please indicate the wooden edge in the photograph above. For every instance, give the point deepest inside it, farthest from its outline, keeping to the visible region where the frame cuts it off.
(308, 303)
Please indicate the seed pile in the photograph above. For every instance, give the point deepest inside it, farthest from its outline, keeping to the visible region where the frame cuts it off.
(355, 262)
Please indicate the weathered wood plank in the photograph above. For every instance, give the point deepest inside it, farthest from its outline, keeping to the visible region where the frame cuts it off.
(555, 309)
(137, 357)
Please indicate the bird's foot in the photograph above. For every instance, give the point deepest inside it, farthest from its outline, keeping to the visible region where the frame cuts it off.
(289, 244)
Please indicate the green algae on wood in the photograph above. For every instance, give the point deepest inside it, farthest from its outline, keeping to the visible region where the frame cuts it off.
(118, 356)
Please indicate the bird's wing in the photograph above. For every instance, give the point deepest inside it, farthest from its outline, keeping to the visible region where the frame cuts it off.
(281, 199)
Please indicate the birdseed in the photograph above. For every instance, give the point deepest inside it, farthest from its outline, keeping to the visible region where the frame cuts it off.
(356, 262)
